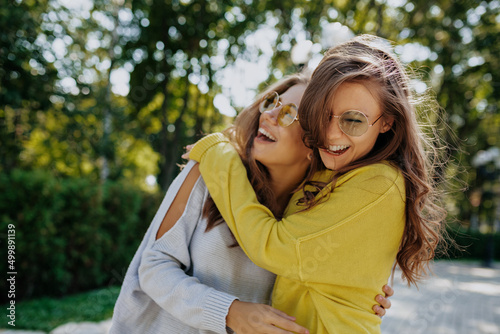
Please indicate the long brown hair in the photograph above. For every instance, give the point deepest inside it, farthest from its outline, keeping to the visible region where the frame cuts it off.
(369, 60)
(242, 134)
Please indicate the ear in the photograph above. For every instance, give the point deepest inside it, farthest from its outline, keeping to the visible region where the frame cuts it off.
(387, 124)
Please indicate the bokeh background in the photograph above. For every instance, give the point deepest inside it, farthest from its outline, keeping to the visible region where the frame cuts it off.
(98, 99)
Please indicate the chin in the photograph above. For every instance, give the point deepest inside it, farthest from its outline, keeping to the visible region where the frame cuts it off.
(330, 165)
(328, 161)
(333, 164)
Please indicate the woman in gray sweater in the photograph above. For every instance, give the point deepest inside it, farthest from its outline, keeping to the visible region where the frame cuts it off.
(188, 275)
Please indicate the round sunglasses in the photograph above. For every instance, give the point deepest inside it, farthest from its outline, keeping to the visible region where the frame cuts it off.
(354, 123)
(288, 112)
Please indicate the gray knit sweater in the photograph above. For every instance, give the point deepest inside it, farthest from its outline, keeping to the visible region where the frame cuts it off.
(185, 281)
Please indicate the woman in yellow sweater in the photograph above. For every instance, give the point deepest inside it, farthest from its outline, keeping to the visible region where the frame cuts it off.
(369, 181)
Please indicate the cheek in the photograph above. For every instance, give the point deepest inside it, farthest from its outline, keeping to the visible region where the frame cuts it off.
(366, 145)
(294, 135)
(297, 152)
(297, 141)
(299, 146)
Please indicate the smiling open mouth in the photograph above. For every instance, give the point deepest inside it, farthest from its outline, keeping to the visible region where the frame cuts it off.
(337, 149)
(263, 134)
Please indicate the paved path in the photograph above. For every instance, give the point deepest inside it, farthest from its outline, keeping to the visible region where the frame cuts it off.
(462, 298)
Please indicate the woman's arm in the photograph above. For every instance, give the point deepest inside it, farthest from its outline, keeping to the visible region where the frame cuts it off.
(273, 244)
(162, 271)
(162, 276)
(234, 196)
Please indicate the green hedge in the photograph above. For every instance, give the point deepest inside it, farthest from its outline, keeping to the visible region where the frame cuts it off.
(474, 244)
(71, 234)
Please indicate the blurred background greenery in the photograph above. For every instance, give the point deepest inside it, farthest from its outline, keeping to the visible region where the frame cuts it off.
(98, 98)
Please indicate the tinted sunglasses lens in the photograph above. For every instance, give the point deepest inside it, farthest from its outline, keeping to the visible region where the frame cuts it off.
(353, 123)
(287, 115)
(270, 101)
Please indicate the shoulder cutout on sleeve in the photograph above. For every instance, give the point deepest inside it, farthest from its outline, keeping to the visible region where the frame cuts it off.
(179, 204)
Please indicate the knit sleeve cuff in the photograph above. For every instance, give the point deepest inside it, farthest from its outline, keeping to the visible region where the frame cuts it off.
(201, 147)
(216, 310)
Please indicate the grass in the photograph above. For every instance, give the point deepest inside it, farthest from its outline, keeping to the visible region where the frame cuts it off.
(45, 314)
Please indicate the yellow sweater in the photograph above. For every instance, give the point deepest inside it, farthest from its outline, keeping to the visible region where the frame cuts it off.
(332, 260)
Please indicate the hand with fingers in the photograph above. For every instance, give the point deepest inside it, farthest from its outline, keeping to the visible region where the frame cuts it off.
(383, 302)
(188, 149)
(253, 318)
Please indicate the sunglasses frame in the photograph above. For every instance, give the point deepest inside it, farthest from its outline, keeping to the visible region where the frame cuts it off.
(366, 117)
(278, 104)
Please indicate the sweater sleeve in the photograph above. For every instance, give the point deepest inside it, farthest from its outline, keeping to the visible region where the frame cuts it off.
(265, 240)
(163, 274)
(277, 245)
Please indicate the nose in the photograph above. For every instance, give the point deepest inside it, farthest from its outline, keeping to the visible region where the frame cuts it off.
(334, 130)
(271, 116)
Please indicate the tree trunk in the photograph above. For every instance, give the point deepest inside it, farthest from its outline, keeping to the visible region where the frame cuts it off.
(107, 113)
(172, 149)
(200, 114)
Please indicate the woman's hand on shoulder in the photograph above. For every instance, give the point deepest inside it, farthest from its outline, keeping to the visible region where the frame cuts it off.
(246, 317)
(383, 302)
(188, 149)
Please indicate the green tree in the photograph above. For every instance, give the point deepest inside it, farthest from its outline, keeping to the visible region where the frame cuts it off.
(58, 110)
(172, 85)
(26, 78)
(86, 130)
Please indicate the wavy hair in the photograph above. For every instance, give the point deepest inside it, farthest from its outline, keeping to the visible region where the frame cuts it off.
(242, 134)
(369, 60)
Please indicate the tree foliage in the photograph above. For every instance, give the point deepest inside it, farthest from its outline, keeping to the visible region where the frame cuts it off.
(26, 77)
(59, 110)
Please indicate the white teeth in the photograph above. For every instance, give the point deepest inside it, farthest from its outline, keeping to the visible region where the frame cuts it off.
(335, 148)
(267, 134)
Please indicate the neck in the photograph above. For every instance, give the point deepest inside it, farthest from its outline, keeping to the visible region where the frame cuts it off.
(283, 182)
